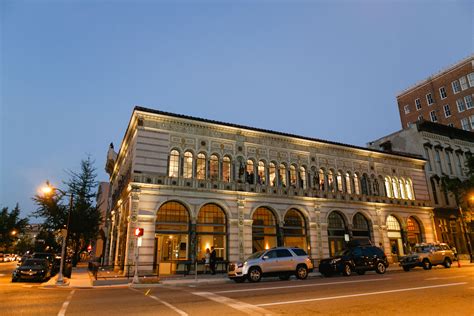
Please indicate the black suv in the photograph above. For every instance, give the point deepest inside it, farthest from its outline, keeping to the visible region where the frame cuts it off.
(358, 259)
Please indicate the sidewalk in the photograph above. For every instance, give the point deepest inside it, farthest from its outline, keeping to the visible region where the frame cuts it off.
(82, 279)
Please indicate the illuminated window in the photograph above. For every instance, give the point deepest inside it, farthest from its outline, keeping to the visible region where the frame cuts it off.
(303, 177)
(188, 165)
(409, 189)
(294, 230)
(388, 187)
(330, 181)
(201, 167)
(173, 170)
(292, 176)
(214, 168)
(272, 174)
(261, 178)
(356, 184)
(339, 182)
(211, 231)
(348, 183)
(226, 169)
(396, 193)
(321, 180)
(249, 172)
(264, 230)
(282, 174)
(392, 223)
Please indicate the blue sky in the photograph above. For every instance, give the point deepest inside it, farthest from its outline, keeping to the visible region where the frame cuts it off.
(71, 71)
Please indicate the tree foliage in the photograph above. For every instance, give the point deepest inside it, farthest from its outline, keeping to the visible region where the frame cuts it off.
(82, 217)
(11, 222)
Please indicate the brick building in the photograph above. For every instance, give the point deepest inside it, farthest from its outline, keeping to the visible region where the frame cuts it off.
(445, 98)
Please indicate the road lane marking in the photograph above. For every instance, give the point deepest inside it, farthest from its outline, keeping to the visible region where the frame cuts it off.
(238, 305)
(177, 310)
(62, 312)
(361, 294)
(443, 278)
(296, 286)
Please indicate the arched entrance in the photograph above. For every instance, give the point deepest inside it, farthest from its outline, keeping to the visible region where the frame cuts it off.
(394, 233)
(264, 229)
(414, 232)
(294, 230)
(361, 229)
(211, 231)
(336, 231)
(172, 236)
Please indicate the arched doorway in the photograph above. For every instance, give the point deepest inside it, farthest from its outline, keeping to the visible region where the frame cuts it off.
(294, 230)
(361, 229)
(336, 231)
(394, 233)
(264, 229)
(172, 236)
(414, 232)
(211, 231)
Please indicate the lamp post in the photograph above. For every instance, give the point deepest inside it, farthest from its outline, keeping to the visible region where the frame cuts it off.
(47, 190)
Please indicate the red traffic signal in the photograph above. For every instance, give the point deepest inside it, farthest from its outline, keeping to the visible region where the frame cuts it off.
(138, 232)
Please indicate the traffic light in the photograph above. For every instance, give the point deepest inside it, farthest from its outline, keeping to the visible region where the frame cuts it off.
(139, 232)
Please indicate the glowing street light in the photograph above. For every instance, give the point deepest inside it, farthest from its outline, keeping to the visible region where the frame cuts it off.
(48, 189)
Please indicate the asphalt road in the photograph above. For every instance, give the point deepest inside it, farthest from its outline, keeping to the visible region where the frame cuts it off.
(437, 292)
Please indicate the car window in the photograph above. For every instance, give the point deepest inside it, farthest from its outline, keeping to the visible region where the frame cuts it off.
(283, 253)
(437, 247)
(299, 252)
(445, 247)
(271, 254)
(255, 255)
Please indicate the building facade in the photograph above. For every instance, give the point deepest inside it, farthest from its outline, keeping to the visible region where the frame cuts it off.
(102, 201)
(445, 98)
(446, 150)
(193, 183)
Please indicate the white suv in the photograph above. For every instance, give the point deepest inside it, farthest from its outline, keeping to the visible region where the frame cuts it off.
(282, 262)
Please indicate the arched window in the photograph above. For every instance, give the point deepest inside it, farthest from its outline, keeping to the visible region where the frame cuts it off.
(414, 231)
(226, 169)
(322, 182)
(396, 193)
(282, 174)
(348, 183)
(172, 230)
(375, 186)
(303, 178)
(394, 234)
(173, 170)
(188, 165)
(409, 189)
(249, 172)
(360, 228)
(211, 231)
(336, 231)
(293, 178)
(214, 168)
(330, 181)
(261, 177)
(402, 188)
(201, 166)
(272, 174)
(365, 184)
(294, 230)
(356, 184)
(340, 188)
(388, 187)
(314, 178)
(264, 230)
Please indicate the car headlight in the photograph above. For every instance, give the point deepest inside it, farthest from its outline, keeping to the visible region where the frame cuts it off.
(335, 261)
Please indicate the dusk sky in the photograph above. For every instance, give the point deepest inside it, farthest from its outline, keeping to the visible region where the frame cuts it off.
(72, 71)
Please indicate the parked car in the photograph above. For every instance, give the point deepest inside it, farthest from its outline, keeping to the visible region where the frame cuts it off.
(49, 257)
(2, 257)
(67, 268)
(281, 261)
(32, 269)
(357, 259)
(427, 255)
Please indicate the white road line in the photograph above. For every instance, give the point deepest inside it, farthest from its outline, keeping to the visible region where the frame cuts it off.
(177, 310)
(62, 312)
(443, 278)
(238, 305)
(361, 294)
(296, 286)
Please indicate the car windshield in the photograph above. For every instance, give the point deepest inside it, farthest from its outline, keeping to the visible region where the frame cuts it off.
(255, 255)
(343, 252)
(422, 248)
(34, 263)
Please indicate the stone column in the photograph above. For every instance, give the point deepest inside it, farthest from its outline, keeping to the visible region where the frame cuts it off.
(131, 243)
(317, 242)
(241, 216)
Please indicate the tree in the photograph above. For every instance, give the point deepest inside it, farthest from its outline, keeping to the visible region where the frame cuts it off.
(463, 191)
(82, 218)
(11, 226)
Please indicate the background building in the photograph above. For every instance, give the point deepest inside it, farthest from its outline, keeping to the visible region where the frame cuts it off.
(193, 183)
(445, 98)
(102, 200)
(446, 150)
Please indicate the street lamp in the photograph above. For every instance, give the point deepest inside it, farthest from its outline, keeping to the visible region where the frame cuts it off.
(48, 190)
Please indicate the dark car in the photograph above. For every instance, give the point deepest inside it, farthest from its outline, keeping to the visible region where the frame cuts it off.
(67, 267)
(355, 259)
(50, 258)
(32, 269)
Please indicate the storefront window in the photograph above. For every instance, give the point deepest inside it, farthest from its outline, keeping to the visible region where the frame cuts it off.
(414, 231)
(360, 228)
(336, 232)
(264, 230)
(294, 230)
(211, 231)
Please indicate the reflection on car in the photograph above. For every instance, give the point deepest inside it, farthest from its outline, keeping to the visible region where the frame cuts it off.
(32, 269)
(357, 259)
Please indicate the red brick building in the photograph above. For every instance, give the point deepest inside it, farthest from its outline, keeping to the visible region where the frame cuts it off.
(445, 98)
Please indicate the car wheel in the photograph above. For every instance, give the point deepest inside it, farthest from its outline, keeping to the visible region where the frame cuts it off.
(284, 277)
(239, 280)
(380, 268)
(255, 275)
(14, 280)
(301, 272)
(406, 268)
(346, 271)
(360, 272)
(426, 264)
(447, 263)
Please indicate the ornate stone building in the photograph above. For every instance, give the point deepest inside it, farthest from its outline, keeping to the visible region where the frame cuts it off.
(194, 183)
(446, 150)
